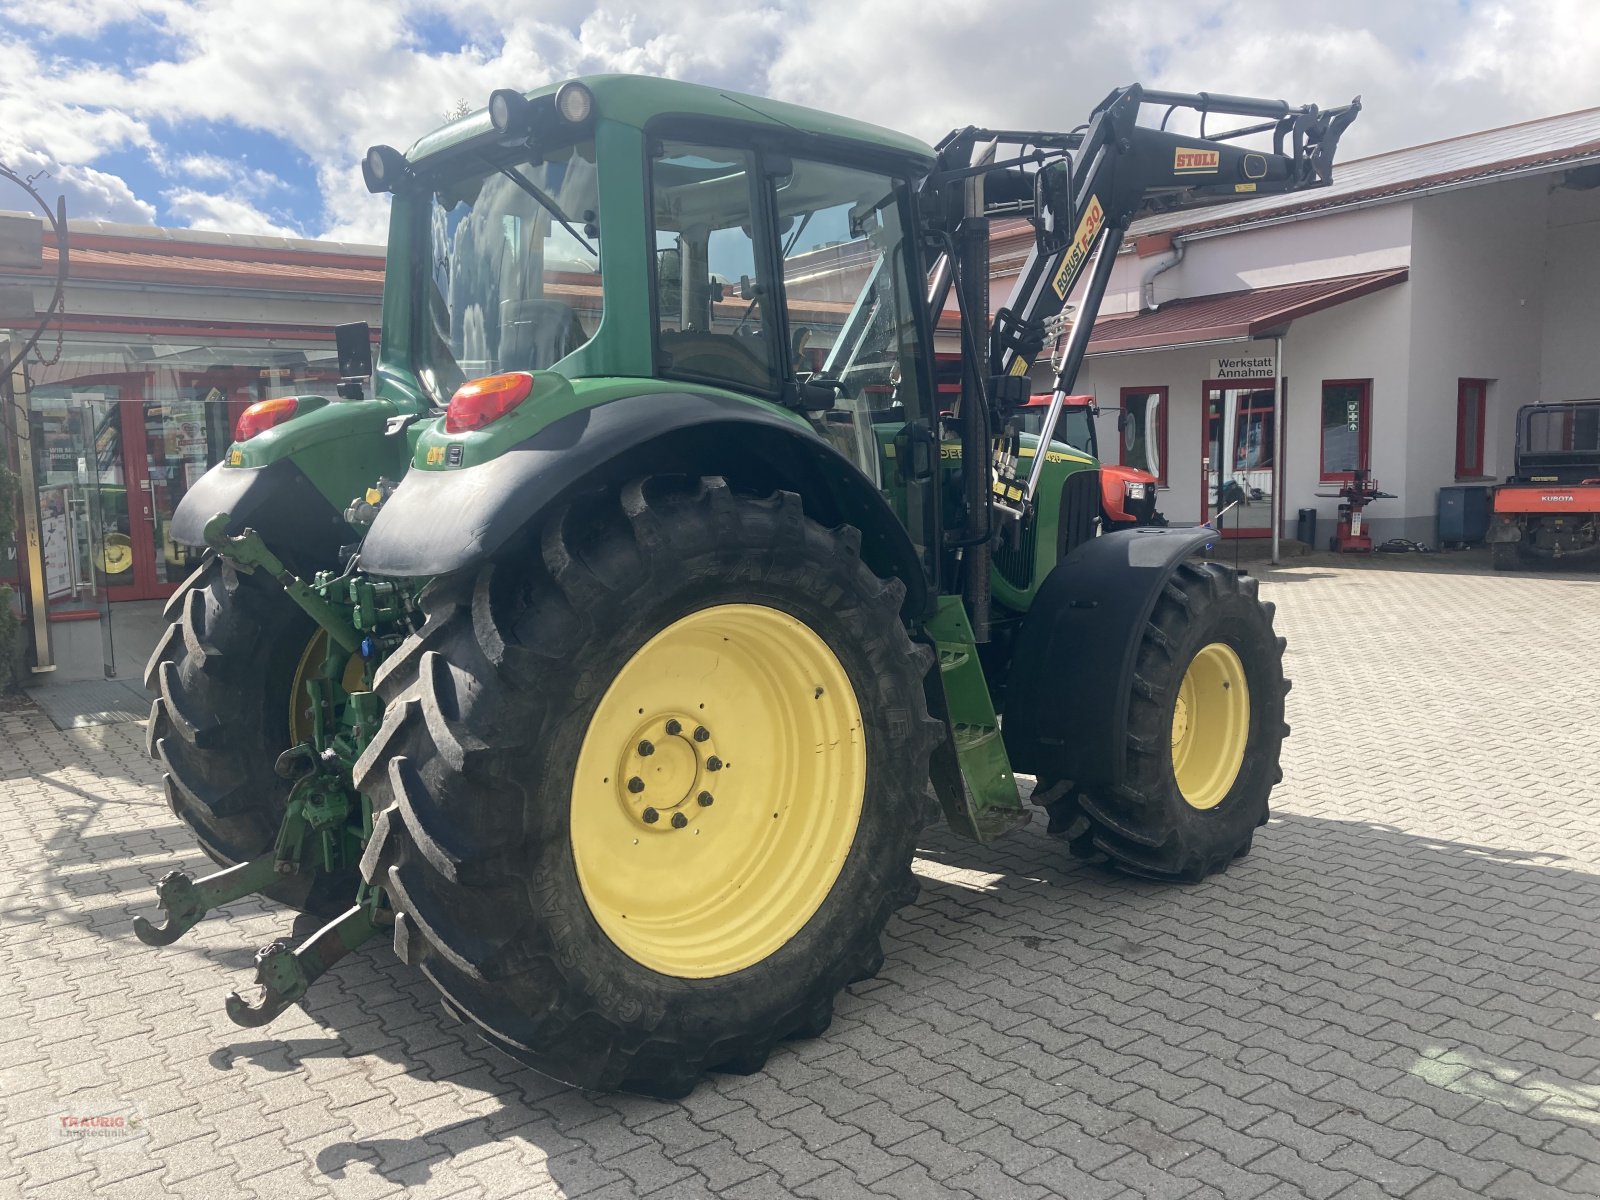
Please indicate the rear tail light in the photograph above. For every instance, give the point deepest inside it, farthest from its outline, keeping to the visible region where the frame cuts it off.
(263, 415)
(484, 401)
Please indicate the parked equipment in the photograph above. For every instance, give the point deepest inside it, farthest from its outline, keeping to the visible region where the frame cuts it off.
(1548, 510)
(1127, 494)
(606, 664)
(1350, 536)
(1464, 511)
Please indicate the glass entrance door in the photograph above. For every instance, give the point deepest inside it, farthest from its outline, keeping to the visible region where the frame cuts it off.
(164, 451)
(1240, 470)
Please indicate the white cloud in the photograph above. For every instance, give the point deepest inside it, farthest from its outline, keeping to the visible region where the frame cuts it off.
(83, 18)
(224, 213)
(89, 193)
(332, 79)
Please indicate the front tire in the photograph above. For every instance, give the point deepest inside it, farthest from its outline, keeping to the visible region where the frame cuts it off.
(647, 792)
(1205, 732)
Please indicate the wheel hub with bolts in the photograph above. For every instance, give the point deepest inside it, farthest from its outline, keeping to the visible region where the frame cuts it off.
(667, 776)
(1210, 725)
(756, 796)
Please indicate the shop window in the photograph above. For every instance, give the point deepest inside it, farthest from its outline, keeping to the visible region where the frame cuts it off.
(1142, 426)
(1346, 427)
(1471, 400)
(119, 432)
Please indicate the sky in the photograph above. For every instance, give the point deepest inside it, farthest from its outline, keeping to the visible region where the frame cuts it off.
(251, 116)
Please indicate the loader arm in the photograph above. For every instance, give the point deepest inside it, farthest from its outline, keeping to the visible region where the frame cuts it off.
(1123, 170)
(1081, 189)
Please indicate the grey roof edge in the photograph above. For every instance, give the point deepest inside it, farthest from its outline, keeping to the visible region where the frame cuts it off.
(160, 235)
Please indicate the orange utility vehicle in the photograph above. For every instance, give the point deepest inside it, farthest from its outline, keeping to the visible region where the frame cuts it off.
(1127, 494)
(1549, 509)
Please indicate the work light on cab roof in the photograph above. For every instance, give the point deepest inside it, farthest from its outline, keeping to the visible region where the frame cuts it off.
(513, 114)
(383, 168)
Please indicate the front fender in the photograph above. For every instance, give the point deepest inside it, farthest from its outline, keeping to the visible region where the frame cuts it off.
(1072, 670)
(445, 520)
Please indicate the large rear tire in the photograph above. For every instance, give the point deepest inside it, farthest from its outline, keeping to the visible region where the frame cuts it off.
(648, 787)
(1205, 731)
(1506, 556)
(224, 671)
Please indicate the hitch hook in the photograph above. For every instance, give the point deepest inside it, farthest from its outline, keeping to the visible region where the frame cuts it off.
(284, 972)
(185, 899)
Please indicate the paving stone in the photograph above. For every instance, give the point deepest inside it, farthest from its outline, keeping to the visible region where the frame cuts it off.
(1393, 995)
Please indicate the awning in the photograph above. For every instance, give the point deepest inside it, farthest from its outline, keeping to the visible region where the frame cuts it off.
(1232, 316)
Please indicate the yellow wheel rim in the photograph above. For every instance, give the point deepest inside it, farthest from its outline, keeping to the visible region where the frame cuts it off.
(718, 790)
(311, 659)
(1210, 726)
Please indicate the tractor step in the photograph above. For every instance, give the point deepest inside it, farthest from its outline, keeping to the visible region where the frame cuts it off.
(972, 737)
(977, 790)
(185, 899)
(284, 972)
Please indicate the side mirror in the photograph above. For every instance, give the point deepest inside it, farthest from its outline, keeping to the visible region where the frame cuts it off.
(1052, 206)
(1122, 419)
(353, 342)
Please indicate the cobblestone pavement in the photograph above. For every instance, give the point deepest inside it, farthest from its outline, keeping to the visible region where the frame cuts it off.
(1397, 994)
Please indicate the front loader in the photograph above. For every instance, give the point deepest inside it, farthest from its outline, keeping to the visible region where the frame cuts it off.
(609, 638)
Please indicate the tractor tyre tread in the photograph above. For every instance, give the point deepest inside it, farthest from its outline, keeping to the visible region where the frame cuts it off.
(1143, 826)
(470, 781)
(222, 671)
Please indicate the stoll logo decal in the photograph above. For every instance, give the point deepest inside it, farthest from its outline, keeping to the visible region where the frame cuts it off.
(1189, 160)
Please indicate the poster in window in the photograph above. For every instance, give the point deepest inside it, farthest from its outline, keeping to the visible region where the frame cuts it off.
(55, 540)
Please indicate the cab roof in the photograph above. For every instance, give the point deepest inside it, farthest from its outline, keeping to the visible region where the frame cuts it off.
(639, 99)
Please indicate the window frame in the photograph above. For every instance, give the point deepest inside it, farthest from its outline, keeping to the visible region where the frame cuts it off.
(764, 253)
(1363, 438)
(417, 195)
(1163, 409)
(1470, 469)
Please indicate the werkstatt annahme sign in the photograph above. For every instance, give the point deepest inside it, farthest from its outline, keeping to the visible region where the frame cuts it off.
(1255, 366)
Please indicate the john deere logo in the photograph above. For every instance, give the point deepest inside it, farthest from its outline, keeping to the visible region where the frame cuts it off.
(1190, 161)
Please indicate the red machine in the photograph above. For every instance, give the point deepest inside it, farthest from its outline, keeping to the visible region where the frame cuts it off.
(1350, 537)
(1127, 494)
(1549, 509)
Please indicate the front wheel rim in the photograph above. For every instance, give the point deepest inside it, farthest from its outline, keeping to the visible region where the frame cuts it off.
(1210, 726)
(718, 790)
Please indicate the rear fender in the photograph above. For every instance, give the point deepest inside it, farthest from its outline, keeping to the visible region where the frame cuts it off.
(1072, 669)
(446, 520)
(277, 500)
(291, 483)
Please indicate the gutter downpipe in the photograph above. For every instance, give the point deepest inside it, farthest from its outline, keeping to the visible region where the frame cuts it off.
(1278, 399)
(1147, 284)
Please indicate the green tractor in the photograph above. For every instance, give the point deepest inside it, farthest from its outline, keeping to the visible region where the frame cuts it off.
(608, 641)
